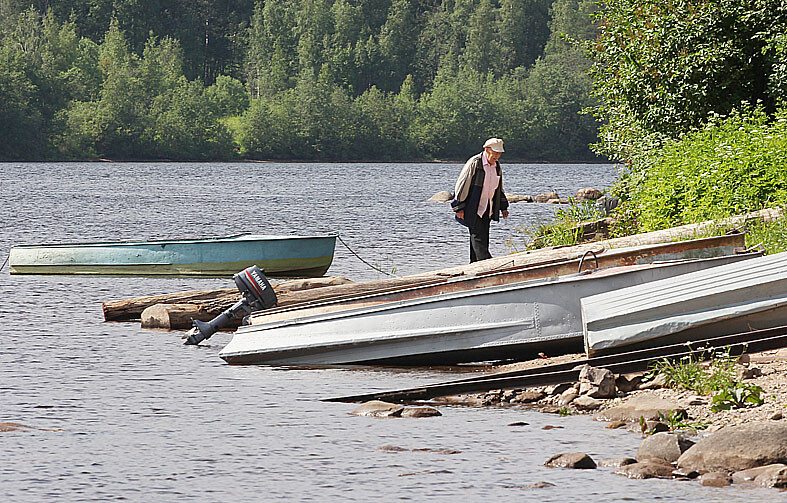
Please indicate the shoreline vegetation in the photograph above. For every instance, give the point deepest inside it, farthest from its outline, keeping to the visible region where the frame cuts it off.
(283, 80)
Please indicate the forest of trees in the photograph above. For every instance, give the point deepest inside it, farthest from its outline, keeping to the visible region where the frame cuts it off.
(294, 79)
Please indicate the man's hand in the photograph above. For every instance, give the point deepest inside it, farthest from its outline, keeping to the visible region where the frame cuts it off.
(505, 213)
(461, 214)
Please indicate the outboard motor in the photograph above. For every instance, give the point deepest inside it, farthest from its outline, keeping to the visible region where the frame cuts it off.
(257, 294)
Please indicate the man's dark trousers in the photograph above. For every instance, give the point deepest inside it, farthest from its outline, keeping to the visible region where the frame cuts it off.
(479, 239)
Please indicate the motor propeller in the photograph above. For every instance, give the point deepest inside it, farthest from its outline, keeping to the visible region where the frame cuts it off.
(257, 294)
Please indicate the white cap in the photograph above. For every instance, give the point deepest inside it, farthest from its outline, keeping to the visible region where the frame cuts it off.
(495, 144)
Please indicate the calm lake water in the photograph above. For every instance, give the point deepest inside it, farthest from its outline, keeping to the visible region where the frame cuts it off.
(140, 417)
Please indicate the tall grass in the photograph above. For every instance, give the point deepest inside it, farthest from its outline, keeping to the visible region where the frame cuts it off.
(564, 230)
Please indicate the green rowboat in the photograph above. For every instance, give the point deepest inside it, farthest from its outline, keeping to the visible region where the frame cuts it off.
(278, 256)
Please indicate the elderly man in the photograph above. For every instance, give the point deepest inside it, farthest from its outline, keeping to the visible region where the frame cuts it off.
(479, 197)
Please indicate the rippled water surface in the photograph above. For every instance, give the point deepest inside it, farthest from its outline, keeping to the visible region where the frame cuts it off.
(140, 417)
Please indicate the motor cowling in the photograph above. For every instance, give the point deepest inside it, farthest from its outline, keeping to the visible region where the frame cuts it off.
(257, 294)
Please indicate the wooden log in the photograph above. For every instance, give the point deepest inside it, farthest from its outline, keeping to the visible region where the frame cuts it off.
(213, 302)
(178, 316)
(131, 309)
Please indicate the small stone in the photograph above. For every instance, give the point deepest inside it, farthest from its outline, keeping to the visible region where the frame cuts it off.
(646, 470)
(615, 462)
(516, 198)
(538, 485)
(664, 447)
(550, 427)
(441, 197)
(614, 425)
(597, 382)
(420, 412)
(585, 402)
(628, 382)
(685, 474)
(377, 408)
(557, 389)
(392, 448)
(777, 417)
(660, 381)
(528, 396)
(578, 460)
(543, 198)
(518, 423)
(567, 396)
(647, 405)
(587, 194)
(715, 479)
(6, 427)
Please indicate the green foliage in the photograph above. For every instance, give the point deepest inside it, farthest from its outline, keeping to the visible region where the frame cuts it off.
(564, 230)
(690, 373)
(228, 95)
(718, 378)
(304, 79)
(663, 68)
(772, 236)
(733, 166)
(677, 420)
(737, 396)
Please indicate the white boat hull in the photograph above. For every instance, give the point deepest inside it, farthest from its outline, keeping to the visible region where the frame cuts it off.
(733, 298)
(494, 323)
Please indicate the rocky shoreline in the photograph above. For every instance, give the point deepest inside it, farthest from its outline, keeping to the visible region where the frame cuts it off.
(682, 437)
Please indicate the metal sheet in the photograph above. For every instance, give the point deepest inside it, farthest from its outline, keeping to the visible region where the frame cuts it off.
(496, 322)
(662, 308)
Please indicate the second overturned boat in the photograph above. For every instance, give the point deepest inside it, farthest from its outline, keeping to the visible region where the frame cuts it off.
(499, 322)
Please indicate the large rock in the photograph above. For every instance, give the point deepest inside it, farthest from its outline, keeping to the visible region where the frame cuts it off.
(441, 197)
(377, 408)
(773, 479)
(587, 194)
(647, 405)
(543, 198)
(571, 460)
(748, 476)
(736, 448)
(663, 446)
(596, 382)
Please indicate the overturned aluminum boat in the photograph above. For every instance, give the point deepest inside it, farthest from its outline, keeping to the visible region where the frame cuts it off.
(737, 297)
(508, 321)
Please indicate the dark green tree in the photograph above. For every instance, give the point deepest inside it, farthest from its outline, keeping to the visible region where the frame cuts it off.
(663, 68)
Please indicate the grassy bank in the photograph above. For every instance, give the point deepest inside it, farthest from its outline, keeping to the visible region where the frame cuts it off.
(734, 165)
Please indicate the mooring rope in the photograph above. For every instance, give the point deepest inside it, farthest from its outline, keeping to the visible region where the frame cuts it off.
(361, 259)
(6, 261)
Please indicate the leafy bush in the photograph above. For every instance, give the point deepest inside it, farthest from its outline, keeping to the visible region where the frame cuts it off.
(734, 165)
(736, 397)
(717, 378)
(690, 373)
